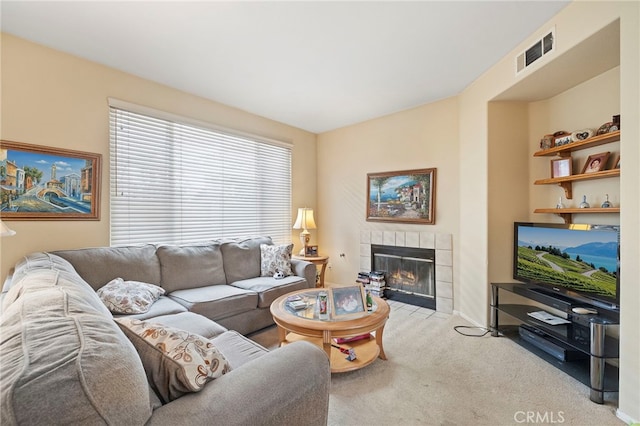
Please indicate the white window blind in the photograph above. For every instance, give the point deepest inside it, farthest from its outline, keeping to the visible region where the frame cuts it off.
(177, 183)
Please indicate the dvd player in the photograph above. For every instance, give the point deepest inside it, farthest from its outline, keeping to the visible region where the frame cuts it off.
(553, 347)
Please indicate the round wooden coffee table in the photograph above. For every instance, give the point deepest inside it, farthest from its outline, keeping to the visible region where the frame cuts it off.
(304, 324)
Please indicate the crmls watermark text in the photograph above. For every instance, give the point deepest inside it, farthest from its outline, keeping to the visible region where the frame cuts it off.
(535, 417)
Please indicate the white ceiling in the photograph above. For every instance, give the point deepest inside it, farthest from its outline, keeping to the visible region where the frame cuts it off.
(313, 65)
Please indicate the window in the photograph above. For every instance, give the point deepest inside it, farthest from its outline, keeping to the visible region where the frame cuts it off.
(174, 182)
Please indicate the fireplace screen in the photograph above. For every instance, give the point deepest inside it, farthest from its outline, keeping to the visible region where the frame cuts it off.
(407, 274)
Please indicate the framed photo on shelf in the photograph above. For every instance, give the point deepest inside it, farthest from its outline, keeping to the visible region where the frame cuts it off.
(561, 167)
(407, 196)
(595, 163)
(46, 183)
(616, 165)
(347, 300)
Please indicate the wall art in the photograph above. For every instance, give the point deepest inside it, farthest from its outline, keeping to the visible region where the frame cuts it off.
(45, 183)
(407, 196)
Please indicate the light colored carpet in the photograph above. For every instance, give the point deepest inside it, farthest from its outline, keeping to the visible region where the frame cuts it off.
(436, 376)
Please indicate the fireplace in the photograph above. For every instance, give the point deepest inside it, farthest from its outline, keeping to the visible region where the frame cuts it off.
(410, 273)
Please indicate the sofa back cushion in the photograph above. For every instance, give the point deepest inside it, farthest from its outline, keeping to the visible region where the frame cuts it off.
(242, 258)
(184, 267)
(99, 265)
(64, 360)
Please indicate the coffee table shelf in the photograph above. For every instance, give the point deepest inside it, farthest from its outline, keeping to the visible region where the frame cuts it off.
(367, 351)
(295, 326)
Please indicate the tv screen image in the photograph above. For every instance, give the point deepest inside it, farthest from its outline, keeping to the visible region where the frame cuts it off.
(576, 258)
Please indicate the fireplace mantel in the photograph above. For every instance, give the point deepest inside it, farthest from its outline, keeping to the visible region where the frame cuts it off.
(441, 243)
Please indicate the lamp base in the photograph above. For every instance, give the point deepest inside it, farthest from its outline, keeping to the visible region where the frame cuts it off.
(304, 240)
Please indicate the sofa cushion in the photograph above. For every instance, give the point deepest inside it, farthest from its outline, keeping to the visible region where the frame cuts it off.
(242, 258)
(98, 266)
(129, 297)
(217, 301)
(269, 289)
(275, 259)
(64, 360)
(193, 323)
(237, 349)
(176, 361)
(163, 306)
(191, 266)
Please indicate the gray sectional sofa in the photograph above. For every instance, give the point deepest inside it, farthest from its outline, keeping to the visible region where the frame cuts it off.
(65, 360)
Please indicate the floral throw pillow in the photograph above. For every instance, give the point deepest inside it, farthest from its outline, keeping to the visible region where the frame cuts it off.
(129, 297)
(176, 362)
(275, 259)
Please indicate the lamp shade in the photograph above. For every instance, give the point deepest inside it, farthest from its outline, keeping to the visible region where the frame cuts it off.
(305, 219)
(5, 231)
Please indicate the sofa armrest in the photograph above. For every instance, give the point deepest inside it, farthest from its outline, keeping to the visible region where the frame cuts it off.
(305, 269)
(289, 385)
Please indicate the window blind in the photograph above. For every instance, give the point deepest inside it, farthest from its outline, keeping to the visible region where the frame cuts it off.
(176, 183)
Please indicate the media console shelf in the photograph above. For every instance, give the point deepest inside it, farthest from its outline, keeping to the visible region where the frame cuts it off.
(580, 348)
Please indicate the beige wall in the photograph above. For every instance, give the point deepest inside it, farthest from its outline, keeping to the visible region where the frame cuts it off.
(54, 99)
(496, 169)
(422, 137)
(44, 93)
(573, 24)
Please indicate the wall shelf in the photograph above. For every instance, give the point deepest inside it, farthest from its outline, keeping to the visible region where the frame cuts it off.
(565, 214)
(565, 182)
(565, 150)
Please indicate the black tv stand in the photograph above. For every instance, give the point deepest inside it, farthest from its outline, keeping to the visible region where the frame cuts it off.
(579, 348)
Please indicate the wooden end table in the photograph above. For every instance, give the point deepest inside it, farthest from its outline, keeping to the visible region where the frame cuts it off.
(316, 260)
(294, 325)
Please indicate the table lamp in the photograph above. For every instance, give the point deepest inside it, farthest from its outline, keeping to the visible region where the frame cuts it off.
(304, 221)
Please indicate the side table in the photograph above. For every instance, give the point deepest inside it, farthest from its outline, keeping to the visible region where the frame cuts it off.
(316, 260)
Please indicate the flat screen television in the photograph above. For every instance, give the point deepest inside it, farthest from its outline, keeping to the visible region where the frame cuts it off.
(578, 260)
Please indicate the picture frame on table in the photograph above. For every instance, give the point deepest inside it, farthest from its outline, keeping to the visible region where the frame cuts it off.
(47, 183)
(561, 167)
(311, 251)
(347, 301)
(407, 196)
(595, 163)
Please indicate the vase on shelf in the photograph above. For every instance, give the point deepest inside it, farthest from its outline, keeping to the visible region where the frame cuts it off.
(606, 203)
(584, 204)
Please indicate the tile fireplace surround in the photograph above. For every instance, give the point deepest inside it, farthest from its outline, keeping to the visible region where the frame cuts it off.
(441, 243)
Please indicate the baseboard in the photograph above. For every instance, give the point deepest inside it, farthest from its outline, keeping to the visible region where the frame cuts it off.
(465, 317)
(626, 419)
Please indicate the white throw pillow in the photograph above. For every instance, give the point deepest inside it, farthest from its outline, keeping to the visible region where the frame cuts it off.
(176, 361)
(129, 297)
(275, 259)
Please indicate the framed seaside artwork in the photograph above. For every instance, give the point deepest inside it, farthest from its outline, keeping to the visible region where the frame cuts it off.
(46, 183)
(407, 196)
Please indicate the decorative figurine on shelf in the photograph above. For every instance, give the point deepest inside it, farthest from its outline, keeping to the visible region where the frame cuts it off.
(560, 205)
(584, 204)
(606, 204)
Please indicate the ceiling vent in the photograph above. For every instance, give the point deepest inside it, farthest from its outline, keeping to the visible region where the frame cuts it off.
(538, 50)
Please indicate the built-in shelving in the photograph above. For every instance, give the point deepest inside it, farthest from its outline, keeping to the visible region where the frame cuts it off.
(566, 182)
(564, 150)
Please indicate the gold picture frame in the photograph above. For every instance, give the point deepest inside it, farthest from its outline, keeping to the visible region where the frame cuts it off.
(407, 196)
(45, 183)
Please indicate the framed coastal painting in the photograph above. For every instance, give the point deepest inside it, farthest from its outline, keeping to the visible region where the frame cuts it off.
(44, 183)
(407, 196)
